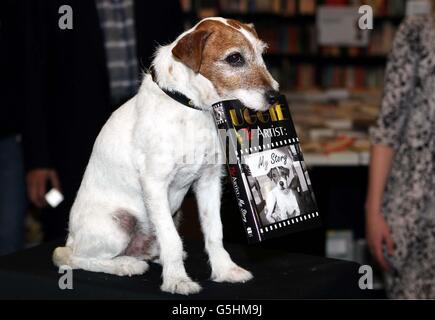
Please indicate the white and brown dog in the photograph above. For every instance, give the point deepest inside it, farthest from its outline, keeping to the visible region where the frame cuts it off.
(137, 175)
(281, 203)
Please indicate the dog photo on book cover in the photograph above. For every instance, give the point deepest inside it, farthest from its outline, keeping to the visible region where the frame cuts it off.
(279, 184)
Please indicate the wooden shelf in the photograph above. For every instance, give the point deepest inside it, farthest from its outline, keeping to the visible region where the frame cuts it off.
(270, 17)
(345, 159)
(324, 59)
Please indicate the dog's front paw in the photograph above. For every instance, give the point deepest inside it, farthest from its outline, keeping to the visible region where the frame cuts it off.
(233, 274)
(183, 286)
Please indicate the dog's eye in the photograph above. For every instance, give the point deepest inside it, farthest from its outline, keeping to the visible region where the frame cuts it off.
(235, 59)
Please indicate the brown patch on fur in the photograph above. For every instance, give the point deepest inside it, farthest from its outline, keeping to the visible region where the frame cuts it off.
(126, 221)
(189, 49)
(221, 38)
(139, 245)
(239, 25)
(170, 70)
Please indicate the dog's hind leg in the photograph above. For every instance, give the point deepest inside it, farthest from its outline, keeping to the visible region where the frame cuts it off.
(102, 249)
(120, 266)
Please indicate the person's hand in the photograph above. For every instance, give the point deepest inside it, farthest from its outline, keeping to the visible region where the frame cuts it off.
(37, 185)
(378, 234)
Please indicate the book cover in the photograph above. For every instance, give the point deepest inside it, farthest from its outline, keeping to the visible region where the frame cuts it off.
(267, 169)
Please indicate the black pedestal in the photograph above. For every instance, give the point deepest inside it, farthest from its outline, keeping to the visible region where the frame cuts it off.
(278, 275)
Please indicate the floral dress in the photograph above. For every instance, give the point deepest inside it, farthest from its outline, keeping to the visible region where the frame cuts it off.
(407, 124)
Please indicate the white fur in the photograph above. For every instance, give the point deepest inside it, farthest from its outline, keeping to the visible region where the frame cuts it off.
(281, 205)
(253, 98)
(137, 166)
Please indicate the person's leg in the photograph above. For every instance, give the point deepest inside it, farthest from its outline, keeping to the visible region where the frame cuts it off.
(12, 196)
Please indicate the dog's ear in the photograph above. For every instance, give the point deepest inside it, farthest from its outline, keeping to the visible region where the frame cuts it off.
(269, 174)
(189, 48)
(251, 28)
(285, 170)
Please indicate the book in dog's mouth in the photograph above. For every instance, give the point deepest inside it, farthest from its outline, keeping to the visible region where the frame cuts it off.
(267, 169)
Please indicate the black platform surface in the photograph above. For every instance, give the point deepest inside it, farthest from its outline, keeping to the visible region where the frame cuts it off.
(30, 274)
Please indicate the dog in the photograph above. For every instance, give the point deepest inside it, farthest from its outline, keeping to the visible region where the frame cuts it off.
(136, 178)
(281, 203)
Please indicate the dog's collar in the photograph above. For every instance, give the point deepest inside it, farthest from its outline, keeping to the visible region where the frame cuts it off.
(176, 95)
(181, 98)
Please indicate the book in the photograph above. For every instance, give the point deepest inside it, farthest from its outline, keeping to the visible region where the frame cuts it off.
(307, 7)
(186, 5)
(289, 7)
(267, 169)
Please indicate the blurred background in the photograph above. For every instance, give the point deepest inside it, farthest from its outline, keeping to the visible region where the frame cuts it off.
(60, 84)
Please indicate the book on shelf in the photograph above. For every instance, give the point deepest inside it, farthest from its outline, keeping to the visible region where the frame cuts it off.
(294, 56)
(291, 39)
(307, 7)
(302, 40)
(279, 7)
(381, 40)
(381, 8)
(289, 7)
(305, 76)
(186, 5)
(206, 8)
(352, 77)
(267, 171)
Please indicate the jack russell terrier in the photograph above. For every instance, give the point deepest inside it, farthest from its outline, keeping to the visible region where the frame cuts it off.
(281, 203)
(136, 178)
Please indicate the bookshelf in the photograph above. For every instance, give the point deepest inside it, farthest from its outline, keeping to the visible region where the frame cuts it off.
(372, 60)
(304, 68)
(289, 27)
(294, 19)
(334, 93)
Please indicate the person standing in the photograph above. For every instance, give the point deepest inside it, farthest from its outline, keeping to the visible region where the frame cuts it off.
(79, 76)
(400, 207)
(12, 185)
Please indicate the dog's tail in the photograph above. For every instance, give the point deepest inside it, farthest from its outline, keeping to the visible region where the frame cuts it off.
(62, 256)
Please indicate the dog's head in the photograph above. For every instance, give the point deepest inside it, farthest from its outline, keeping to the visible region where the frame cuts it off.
(229, 54)
(281, 177)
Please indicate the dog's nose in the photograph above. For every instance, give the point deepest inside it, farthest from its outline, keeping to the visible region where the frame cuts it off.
(272, 96)
(281, 184)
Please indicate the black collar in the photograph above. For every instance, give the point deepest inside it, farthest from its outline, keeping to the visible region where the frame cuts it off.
(176, 95)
